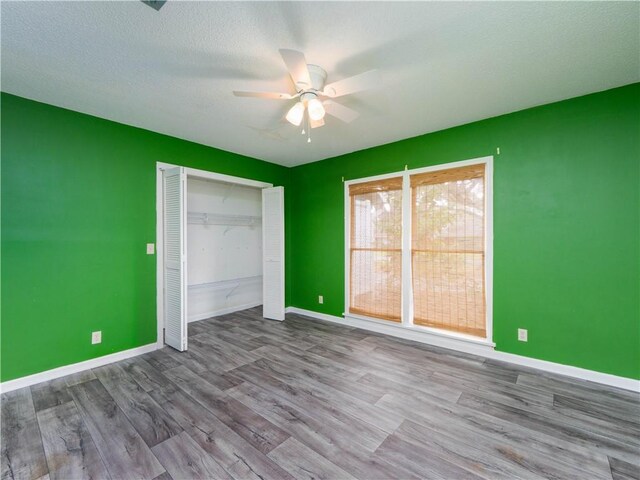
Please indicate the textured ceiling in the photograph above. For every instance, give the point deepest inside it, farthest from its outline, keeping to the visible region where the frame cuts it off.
(442, 64)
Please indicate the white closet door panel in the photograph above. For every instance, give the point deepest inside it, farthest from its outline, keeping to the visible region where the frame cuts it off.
(273, 253)
(175, 264)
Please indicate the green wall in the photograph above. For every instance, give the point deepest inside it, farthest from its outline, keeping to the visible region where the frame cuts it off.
(566, 225)
(78, 207)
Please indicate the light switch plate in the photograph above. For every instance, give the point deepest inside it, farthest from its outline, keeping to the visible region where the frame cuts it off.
(151, 248)
(320, 299)
(96, 337)
(522, 335)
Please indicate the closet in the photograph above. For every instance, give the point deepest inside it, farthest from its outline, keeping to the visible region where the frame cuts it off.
(222, 249)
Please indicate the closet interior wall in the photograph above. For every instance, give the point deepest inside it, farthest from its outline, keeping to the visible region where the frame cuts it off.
(224, 248)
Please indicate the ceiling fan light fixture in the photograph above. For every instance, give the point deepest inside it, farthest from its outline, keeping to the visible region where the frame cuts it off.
(316, 110)
(295, 114)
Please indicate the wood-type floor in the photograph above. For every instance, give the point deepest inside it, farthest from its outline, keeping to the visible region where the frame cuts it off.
(303, 399)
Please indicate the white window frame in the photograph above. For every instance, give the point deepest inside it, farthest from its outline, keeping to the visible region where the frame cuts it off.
(419, 332)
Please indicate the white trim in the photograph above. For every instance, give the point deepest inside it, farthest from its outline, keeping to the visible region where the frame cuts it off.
(222, 311)
(220, 177)
(482, 351)
(347, 246)
(160, 254)
(488, 245)
(420, 330)
(273, 310)
(407, 303)
(406, 289)
(75, 368)
(192, 173)
(384, 176)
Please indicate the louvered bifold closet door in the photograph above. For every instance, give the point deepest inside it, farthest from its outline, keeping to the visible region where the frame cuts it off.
(273, 253)
(375, 249)
(448, 249)
(175, 258)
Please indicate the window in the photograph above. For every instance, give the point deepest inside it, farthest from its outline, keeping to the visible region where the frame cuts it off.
(376, 249)
(438, 272)
(447, 249)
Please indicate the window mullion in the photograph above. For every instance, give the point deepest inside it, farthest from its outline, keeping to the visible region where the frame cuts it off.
(407, 294)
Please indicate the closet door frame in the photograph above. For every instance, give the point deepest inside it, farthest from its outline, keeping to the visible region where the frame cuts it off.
(191, 173)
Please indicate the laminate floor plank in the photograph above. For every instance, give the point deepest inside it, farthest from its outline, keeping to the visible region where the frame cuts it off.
(346, 385)
(491, 460)
(403, 384)
(330, 414)
(334, 446)
(23, 454)
(581, 389)
(144, 374)
(502, 438)
(227, 355)
(423, 461)
(223, 381)
(621, 470)
(152, 423)
(516, 391)
(233, 452)
(303, 463)
(241, 341)
(78, 378)
(330, 396)
(612, 415)
(255, 399)
(49, 394)
(123, 450)
(183, 458)
(555, 427)
(161, 359)
(414, 350)
(251, 426)
(314, 361)
(68, 445)
(193, 360)
(626, 432)
(164, 476)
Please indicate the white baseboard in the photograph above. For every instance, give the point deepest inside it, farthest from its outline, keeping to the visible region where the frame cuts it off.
(74, 368)
(480, 350)
(223, 311)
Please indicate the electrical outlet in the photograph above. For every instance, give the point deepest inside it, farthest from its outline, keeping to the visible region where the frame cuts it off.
(320, 299)
(151, 248)
(96, 337)
(522, 335)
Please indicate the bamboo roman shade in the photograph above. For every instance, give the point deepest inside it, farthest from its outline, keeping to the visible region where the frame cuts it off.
(376, 249)
(447, 255)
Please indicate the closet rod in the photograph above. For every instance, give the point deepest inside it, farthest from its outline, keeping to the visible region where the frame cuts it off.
(203, 218)
(227, 284)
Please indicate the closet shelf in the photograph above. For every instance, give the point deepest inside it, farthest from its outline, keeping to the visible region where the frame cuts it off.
(203, 218)
(230, 285)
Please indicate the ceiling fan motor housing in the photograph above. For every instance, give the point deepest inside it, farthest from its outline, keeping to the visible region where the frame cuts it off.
(318, 77)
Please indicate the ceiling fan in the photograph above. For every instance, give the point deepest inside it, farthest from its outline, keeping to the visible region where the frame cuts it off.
(315, 98)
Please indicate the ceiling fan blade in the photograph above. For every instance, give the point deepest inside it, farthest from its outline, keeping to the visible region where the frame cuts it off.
(272, 95)
(297, 66)
(316, 123)
(341, 112)
(357, 83)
